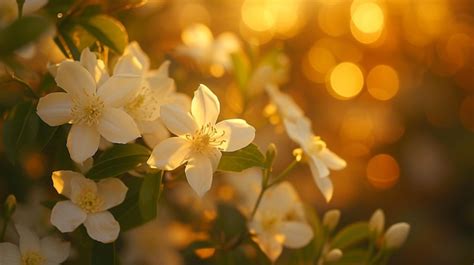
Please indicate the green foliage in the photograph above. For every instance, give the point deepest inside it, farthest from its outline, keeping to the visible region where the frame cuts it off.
(117, 160)
(22, 32)
(103, 254)
(247, 157)
(107, 30)
(141, 201)
(353, 257)
(351, 235)
(149, 194)
(20, 129)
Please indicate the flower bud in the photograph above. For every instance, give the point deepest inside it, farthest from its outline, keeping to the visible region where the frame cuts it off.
(270, 155)
(298, 154)
(333, 255)
(396, 235)
(331, 219)
(377, 222)
(9, 206)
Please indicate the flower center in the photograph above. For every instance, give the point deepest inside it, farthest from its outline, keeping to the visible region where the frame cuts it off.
(206, 138)
(269, 223)
(317, 145)
(87, 112)
(89, 201)
(145, 106)
(32, 258)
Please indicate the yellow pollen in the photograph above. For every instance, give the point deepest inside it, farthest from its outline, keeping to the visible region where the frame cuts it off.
(269, 223)
(88, 112)
(206, 138)
(32, 258)
(89, 201)
(317, 145)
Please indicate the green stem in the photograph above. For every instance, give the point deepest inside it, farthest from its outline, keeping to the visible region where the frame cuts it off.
(285, 173)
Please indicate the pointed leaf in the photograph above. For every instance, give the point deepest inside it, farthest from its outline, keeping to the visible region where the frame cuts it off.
(351, 235)
(247, 157)
(107, 30)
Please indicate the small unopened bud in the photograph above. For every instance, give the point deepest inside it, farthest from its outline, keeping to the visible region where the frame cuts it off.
(396, 235)
(270, 155)
(10, 206)
(377, 222)
(333, 255)
(331, 219)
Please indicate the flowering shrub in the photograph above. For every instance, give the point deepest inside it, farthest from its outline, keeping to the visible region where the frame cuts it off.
(122, 135)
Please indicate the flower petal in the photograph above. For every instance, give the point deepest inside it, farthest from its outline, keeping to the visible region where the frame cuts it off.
(128, 64)
(66, 216)
(215, 157)
(55, 108)
(9, 254)
(299, 130)
(205, 106)
(82, 142)
(54, 249)
(332, 160)
(154, 132)
(119, 89)
(270, 245)
(237, 134)
(322, 170)
(75, 79)
(324, 184)
(199, 174)
(81, 184)
(159, 79)
(62, 181)
(177, 120)
(94, 66)
(170, 153)
(102, 227)
(297, 234)
(135, 49)
(112, 191)
(29, 241)
(117, 126)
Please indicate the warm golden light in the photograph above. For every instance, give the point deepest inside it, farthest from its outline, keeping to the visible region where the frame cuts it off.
(205, 253)
(197, 35)
(368, 17)
(321, 59)
(256, 16)
(346, 80)
(383, 171)
(382, 82)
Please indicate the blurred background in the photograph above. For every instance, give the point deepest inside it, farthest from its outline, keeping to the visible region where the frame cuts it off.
(388, 84)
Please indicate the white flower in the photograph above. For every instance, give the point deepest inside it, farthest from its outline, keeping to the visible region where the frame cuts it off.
(32, 250)
(320, 158)
(298, 128)
(157, 89)
(396, 235)
(377, 222)
(269, 74)
(93, 108)
(200, 45)
(88, 204)
(279, 221)
(199, 140)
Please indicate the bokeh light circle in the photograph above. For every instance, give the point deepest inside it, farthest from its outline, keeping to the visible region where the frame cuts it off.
(368, 17)
(383, 82)
(346, 80)
(383, 171)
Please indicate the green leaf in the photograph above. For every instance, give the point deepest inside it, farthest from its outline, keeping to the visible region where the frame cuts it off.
(117, 160)
(247, 157)
(149, 194)
(140, 205)
(351, 235)
(20, 129)
(229, 224)
(103, 254)
(22, 32)
(107, 30)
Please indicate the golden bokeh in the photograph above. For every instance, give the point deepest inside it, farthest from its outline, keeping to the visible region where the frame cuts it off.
(346, 80)
(383, 171)
(368, 17)
(382, 82)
